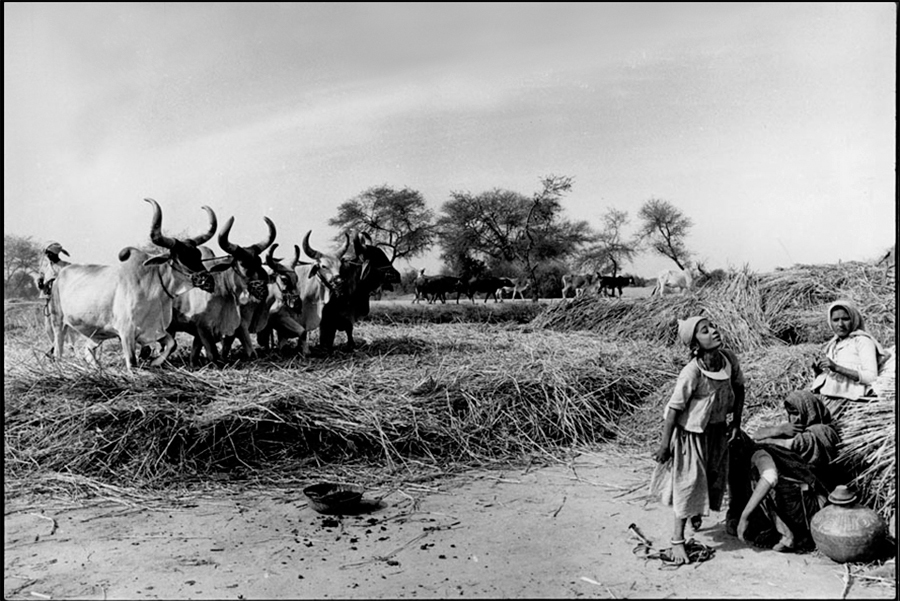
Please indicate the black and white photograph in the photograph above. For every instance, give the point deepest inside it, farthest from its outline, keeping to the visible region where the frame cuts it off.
(382, 300)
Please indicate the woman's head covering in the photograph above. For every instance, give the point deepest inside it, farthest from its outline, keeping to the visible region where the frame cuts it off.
(810, 409)
(817, 444)
(687, 327)
(856, 320)
(857, 328)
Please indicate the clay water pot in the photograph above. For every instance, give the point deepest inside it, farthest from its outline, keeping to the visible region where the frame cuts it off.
(846, 531)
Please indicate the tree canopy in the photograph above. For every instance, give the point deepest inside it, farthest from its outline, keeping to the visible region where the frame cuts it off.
(506, 229)
(398, 220)
(21, 261)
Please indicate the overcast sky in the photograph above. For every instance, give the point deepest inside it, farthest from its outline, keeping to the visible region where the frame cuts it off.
(772, 126)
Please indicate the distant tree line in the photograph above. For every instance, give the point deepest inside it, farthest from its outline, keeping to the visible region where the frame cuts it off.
(496, 232)
(506, 233)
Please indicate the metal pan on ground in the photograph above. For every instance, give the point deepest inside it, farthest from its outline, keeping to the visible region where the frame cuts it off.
(330, 498)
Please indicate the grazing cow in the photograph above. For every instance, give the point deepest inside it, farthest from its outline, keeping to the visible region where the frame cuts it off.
(360, 274)
(132, 301)
(682, 279)
(578, 283)
(248, 266)
(611, 284)
(210, 317)
(520, 285)
(487, 285)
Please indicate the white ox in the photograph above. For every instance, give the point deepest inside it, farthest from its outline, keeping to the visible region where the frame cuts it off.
(317, 284)
(133, 300)
(520, 285)
(670, 279)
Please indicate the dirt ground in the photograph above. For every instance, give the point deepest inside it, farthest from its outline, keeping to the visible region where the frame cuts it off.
(541, 532)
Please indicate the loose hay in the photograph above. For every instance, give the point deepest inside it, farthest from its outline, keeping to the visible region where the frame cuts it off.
(490, 395)
(869, 443)
(752, 311)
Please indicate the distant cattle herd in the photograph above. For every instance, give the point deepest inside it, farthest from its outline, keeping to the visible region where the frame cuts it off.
(144, 300)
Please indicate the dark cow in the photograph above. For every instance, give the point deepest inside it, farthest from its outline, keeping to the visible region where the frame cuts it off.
(578, 283)
(488, 286)
(611, 284)
(438, 287)
(360, 274)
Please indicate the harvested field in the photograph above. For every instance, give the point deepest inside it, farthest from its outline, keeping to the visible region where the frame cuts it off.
(435, 389)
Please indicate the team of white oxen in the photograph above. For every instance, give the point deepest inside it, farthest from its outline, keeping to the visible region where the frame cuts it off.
(144, 300)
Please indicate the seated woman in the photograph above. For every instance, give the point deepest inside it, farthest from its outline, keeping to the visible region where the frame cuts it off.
(851, 359)
(808, 432)
(785, 471)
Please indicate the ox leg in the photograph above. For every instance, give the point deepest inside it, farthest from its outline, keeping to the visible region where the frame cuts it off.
(326, 335)
(208, 342)
(167, 345)
(227, 341)
(291, 328)
(90, 351)
(244, 336)
(303, 343)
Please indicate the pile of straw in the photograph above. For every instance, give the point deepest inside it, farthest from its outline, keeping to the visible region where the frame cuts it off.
(733, 304)
(752, 311)
(869, 443)
(464, 396)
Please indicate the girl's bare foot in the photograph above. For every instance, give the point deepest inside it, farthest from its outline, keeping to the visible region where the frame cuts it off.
(679, 554)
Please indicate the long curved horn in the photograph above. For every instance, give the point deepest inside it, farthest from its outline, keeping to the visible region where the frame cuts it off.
(271, 261)
(296, 256)
(224, 244)
(341, 252)
(309, 250)
(261, 246)
(156, 235)
(358, 245)
(213, 226)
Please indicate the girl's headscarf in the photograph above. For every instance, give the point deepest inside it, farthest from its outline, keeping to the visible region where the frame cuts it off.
(857, 328)
(817, 444)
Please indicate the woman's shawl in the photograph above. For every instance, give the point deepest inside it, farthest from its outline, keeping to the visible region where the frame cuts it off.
(817, 444)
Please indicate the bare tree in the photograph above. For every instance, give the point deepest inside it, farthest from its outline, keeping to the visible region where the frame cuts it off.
(665, 228)
(611, 249)
(397, 220)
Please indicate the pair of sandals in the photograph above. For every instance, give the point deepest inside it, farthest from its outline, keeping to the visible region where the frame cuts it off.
(697, 552)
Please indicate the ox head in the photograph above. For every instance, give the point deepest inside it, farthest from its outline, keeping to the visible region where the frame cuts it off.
(285, 278)
(184, 255)
(329, 268)
(246, 259)
(375, 268)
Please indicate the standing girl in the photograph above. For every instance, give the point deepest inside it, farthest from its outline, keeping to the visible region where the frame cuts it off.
(692, 471)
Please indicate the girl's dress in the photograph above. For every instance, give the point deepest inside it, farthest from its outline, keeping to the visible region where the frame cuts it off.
(695, 478)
